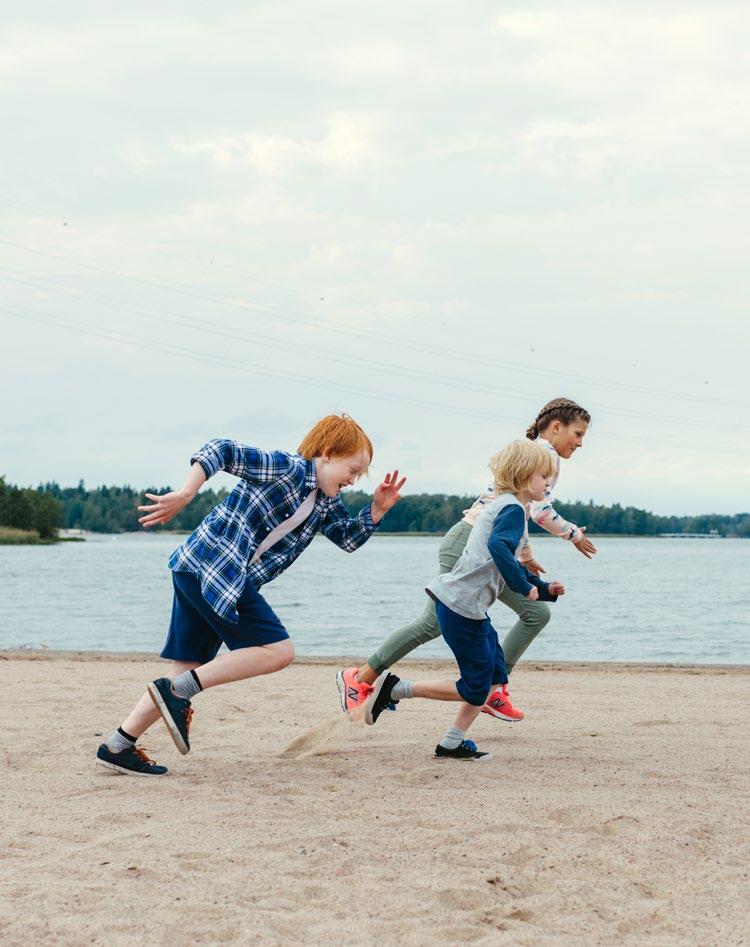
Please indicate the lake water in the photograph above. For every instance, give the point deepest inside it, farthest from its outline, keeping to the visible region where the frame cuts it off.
(673, 600)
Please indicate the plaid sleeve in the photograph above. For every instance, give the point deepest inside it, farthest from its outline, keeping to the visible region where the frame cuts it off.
(348, 532)
(249, 463)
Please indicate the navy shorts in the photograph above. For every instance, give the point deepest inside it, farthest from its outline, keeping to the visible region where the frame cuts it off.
(477, 650)
(196, 632)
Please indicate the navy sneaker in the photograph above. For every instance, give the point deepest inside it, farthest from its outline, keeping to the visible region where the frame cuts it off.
(132, 762)
(176, 712)
(380, 699)
(466, 750)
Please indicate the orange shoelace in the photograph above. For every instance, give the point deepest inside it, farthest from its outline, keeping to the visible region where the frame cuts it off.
(142, 755)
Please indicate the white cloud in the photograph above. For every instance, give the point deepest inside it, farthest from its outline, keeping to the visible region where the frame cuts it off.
(349, 142)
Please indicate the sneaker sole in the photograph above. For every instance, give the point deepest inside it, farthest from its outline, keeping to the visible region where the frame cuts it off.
(168, 719)
(464, 759)
(369, 703)
(499, 716)
(125, 771)
(342, 690)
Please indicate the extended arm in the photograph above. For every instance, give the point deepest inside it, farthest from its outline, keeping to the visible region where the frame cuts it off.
(350, 532)
(168, 505)
(241, 460)
(504, 539)
(546, 516)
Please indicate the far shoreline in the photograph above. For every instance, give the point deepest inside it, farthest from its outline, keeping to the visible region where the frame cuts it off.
(446, 664)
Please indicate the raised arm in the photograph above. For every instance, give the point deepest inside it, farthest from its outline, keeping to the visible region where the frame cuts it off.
(350, 532)
(241, 460)
(165, 507)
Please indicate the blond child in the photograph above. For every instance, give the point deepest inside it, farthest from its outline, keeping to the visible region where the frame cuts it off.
(489, 563)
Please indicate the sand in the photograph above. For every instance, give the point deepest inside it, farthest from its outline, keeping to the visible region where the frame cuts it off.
(616, 813)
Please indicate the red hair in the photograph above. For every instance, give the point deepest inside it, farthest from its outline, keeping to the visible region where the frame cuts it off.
(337, 435)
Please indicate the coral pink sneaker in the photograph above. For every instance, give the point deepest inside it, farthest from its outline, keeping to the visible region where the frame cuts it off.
(352, 694)
(499, 705)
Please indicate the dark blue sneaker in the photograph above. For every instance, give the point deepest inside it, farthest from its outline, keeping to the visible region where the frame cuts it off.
(466, 750)
(176, 712)
(132, 762)
(380, 698)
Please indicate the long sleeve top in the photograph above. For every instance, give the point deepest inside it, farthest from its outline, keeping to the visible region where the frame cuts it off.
(542, 512)
(272, 486)
(489, 562)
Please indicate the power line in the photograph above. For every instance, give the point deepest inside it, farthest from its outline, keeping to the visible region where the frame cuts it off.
(409, 373)
(247, 368)
(419, 347)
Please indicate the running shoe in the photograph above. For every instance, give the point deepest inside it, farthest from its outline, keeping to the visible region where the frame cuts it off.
(380, 697)
(466, 750)
(499, 705)
(352, 694)
(132, 762)
(176, 712)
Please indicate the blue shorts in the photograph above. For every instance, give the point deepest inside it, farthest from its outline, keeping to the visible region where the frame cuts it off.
(196, 632)
(477, 650)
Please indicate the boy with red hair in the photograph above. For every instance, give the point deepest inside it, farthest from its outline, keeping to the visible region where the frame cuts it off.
(281, 501)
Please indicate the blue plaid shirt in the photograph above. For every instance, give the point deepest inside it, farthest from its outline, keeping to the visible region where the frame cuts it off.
(272, 485)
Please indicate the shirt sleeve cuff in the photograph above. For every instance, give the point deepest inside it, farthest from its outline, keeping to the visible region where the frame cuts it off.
(209, 461)
(366, 516)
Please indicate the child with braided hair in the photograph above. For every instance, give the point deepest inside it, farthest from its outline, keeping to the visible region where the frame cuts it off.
(559, 428)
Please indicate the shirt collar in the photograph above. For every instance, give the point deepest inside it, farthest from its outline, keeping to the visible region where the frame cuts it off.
(311, 477)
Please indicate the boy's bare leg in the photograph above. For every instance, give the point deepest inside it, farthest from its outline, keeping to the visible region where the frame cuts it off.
(246, 662)
(235, 665)
(145, 713)
(436, 690)
(466, 716)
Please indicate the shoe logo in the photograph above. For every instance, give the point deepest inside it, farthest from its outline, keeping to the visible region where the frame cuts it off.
(497, 703)
(352, 693)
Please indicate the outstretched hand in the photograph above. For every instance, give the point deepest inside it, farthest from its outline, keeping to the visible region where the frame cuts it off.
(386, 495)
(163, 509)
(584, 545)
(533, 566)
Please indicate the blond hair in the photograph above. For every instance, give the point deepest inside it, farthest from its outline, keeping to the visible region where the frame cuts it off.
(337, 435)
(514, 466)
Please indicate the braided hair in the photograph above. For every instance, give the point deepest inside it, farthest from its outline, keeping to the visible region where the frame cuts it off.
(559, 409)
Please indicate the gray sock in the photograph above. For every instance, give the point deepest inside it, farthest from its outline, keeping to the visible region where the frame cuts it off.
(186, 685)
(120, 741)
(452, 738)
(402, 690)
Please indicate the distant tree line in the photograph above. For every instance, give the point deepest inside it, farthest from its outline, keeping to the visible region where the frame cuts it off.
(33, 511)
(437, 512)
(114, 510)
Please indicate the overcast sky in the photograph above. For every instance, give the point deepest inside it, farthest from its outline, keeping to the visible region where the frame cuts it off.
(229, 221)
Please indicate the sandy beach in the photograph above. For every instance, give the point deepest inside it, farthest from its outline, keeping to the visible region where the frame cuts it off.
(617, 812)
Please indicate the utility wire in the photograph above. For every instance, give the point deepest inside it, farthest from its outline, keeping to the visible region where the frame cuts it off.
(409, 373)
(243, 366)
(421, 347)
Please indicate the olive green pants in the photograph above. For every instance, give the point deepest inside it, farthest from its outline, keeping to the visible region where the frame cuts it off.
(532, 616)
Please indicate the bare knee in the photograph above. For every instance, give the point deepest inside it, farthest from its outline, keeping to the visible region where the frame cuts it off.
(283, 653)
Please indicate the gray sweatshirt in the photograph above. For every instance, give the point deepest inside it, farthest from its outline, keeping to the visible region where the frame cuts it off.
(489, 562)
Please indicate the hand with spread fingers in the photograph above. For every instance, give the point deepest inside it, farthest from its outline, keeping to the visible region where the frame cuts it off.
(387, 495)
(163, 508)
